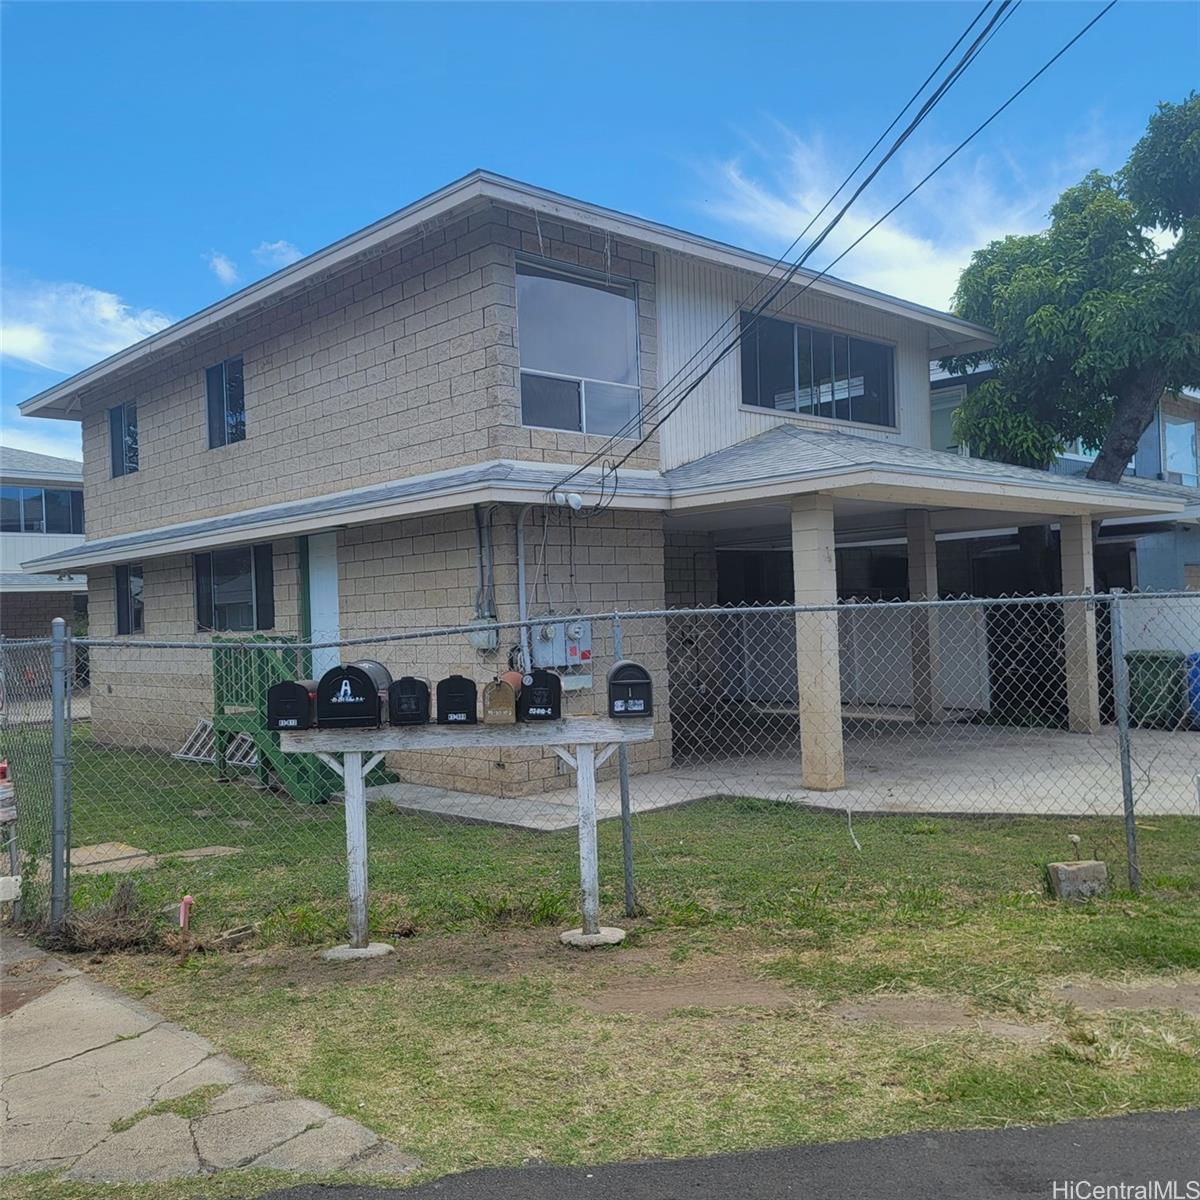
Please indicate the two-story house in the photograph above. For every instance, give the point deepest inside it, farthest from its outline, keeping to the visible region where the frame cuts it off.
(378, 438)
(41, 513)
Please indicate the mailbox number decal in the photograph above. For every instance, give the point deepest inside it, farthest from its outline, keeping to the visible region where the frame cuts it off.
(345, 695)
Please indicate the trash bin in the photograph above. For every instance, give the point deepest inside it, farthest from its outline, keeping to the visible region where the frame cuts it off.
(1193, 689)
(1157, 688)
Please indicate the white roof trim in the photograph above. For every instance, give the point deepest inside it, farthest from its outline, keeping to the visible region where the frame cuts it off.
(61, 400)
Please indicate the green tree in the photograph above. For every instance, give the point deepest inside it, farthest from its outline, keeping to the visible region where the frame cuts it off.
(1094, 320)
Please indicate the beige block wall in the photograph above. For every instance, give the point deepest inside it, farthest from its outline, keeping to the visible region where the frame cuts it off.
(418, 574)
(144, 697)
(402, 364)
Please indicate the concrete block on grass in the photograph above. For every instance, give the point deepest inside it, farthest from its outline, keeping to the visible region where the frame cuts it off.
(1078, 880)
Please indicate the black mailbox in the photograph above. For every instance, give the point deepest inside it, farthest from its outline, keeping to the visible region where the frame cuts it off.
(541, 697)
(352, 696)
(292, 705)
(408, 701)
(630, 692)
(457, 701)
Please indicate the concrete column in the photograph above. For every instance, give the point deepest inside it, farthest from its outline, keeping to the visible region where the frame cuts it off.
(1079, 620)
(923, 585)
(818, 663)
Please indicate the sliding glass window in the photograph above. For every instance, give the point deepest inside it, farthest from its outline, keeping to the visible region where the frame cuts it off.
(794, 368)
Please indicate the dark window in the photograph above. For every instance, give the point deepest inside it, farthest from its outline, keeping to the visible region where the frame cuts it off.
(123, 439)
(789, 367)
(10, 510)
(235, 589)
(40, 510)
(579, 356)
(226, 403)
(130, 608)
(58, 511)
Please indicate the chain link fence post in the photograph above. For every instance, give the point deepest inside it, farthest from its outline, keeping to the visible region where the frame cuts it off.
(626, 811)
(1120, 667)
(60, 771)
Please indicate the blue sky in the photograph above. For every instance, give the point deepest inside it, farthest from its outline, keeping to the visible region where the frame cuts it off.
(158, 156)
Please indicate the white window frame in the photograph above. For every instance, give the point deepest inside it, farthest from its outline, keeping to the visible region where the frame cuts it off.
(585, 278)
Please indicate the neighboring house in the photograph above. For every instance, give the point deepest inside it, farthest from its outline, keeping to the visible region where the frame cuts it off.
(1157, 554)
(41, 513)
(370, 440)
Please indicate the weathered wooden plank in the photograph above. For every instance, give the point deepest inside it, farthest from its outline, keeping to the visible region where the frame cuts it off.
(572, 731)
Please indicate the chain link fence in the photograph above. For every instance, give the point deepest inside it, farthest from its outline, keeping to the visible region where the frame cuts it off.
(780, 733)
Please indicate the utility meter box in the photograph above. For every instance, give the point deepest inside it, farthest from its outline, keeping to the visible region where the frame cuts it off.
(541, 697)
(457, 701)
(630, 691)
(292, 705)
(499, 703)
(562, 643)
(353, 696)
(408, 701)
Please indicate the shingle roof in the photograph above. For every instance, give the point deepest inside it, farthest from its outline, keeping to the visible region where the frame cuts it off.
(14, 461)
(20, 581)
(794, 450)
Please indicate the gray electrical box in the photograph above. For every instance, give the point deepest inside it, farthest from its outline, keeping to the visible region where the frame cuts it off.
(562, 643)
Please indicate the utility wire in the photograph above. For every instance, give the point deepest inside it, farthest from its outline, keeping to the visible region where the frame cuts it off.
(907, 196)
(996, 21)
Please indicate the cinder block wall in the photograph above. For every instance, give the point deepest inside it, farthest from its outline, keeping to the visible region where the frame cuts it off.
(403, 364)
(149, 698)
(422, 573)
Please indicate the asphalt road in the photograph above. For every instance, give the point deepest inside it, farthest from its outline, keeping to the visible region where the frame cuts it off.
(973, 1165)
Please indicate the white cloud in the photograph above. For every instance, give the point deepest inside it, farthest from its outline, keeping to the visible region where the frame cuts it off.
(65, 327)
(919, 251)
(276, 254)
(223, 267)
(60, 438)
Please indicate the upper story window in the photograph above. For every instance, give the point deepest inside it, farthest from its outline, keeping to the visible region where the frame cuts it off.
(235, 589)
(226, 403)
(41, 510)
(579, 354)
(123, 439)
(1181, 455)
(130, 608)
(794, 368)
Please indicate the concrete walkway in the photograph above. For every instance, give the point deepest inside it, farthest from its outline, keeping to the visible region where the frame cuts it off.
(107, 1091)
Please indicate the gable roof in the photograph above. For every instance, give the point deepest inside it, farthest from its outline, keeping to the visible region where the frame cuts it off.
(948, 334)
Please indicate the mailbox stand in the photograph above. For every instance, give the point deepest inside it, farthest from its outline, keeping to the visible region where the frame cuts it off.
(575, 740)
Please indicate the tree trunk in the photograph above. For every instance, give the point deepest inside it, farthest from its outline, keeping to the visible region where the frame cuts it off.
(1137, 402)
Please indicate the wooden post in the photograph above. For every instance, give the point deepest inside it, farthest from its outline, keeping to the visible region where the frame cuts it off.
(356, 845)
(589, 862)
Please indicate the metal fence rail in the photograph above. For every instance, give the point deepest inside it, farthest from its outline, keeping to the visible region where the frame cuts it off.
(856, 721)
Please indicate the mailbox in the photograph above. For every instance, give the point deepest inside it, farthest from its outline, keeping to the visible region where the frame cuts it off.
(630, 692)
(499, 703)
(541, 696)
(408, 701)
(457, 701)
(352, 696)
(292, 705)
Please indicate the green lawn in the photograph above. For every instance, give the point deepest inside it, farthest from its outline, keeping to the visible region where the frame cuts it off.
(482, 1041)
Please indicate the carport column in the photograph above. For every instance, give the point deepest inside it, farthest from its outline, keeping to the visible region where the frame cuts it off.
(923, 585)
(1079, 626)
(818, 663)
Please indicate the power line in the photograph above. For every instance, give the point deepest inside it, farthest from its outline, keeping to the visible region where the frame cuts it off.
(664, 397)
(908, 195)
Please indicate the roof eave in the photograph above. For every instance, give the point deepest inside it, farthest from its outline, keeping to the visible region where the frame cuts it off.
(62, 401)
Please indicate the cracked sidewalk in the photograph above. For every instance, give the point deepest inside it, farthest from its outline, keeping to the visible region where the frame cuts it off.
(82, 1061)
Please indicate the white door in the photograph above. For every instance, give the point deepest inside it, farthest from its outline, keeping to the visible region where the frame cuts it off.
(323, 599)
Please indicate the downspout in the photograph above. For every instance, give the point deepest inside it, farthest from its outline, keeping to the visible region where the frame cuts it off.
(522, 607)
